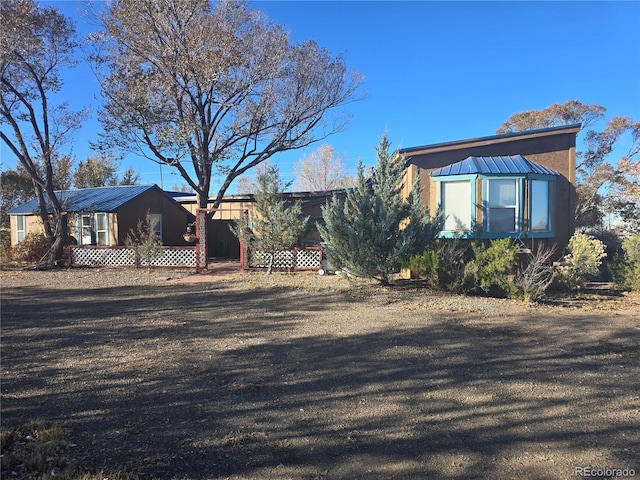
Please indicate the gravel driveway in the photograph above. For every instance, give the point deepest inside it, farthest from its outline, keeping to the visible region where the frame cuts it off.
(308, 377)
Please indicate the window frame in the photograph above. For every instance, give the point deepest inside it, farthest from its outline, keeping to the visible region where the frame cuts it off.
(471, 179)
(551, 194)
(98, 231)
(518, 224)
(21, 228)
(81, 227)
(158, 224)
(94, 229)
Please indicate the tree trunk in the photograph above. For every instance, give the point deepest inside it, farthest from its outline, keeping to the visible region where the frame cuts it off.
(270, 264)
(61, 237)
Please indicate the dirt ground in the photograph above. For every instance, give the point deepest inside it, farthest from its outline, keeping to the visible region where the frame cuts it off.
(305, 377)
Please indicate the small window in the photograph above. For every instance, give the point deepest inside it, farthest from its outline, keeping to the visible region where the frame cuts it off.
(155, 224)
(502, 206)
(540, 212)
(21, 228)
(456, 205)
(102, 230)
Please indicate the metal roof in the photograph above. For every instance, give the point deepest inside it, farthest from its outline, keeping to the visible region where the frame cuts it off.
(500, 165)
(99, 199)
(573, 128)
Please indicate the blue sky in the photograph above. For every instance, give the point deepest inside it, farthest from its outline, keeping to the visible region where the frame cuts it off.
(437, 71)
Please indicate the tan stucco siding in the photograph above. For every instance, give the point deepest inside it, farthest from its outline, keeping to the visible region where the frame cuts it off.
(33, 224)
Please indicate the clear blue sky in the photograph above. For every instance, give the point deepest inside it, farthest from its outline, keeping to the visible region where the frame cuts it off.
(438, 71)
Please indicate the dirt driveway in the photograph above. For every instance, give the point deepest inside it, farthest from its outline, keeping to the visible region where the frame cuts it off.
(308, 377)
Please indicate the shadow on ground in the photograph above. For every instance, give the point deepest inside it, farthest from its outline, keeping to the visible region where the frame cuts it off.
(209, 381)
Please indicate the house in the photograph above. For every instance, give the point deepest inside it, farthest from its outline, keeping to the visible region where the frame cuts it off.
(223, 243)
(107, 215)
(518, 185)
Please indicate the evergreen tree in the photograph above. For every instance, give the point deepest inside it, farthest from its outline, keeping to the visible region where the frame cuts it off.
(374, 229)
(275, 224)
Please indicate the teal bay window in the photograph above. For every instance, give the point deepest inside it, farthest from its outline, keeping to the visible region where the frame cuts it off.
(517, 198)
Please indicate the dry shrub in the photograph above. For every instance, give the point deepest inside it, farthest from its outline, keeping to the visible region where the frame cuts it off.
(536, 274)
(33, 249)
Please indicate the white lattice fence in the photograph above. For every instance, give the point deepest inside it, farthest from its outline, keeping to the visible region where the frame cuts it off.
(102, 256)
(174, 257)
(297, 259)
(93, 256)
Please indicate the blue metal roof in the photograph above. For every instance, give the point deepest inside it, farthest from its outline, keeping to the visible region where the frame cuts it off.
(99, 199)
(499, 165)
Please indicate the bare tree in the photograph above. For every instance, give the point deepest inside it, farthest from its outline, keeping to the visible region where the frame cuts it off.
(35, 45)
(249, 183)
(322, 170)
(599, 176)
(205, 88)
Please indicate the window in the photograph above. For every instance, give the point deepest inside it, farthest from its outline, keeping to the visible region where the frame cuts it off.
(102, 235)
(94, 228)
(21, 228)
(155, 224)
(514, 206)
(502, 206)
(540, 218)
(455, 200)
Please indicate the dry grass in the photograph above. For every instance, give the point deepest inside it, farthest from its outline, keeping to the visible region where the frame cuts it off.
(301, 376)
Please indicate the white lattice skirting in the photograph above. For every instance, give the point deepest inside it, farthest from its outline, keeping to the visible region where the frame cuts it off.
(89, 256)
(307, 259)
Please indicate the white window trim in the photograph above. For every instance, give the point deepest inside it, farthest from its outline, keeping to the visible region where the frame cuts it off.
(517, 227)
(105, 231)
(21, 228)
(458, 178)
(158, 224)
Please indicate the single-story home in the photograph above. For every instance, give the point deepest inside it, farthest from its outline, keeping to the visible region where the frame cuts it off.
(107, 215)
(518, 185)
(223, 243)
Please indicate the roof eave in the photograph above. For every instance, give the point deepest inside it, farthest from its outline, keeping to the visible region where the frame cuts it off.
(438, 147)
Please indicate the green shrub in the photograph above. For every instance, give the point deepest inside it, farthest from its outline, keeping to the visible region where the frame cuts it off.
(33, 249)
(625, 270)
(442, 266)
(584, 257)
(631, 248)
(493, 267)
(424, 265)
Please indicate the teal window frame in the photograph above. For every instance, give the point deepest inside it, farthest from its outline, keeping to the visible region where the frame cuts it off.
(551, 188)
(472, 179)
(524, 189)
